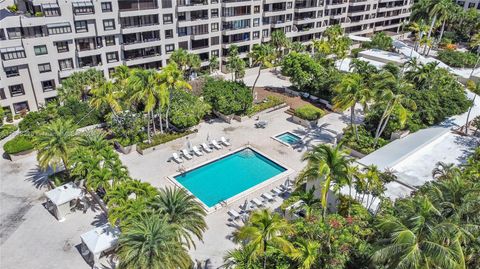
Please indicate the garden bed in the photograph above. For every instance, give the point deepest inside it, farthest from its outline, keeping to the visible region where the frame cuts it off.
(19, 147)
(307, 115)
(160, 141)
(6, 130)
(125, 149)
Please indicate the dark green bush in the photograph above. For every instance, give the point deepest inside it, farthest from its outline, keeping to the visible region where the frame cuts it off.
(187, 109)
(18, 144)
(80, 113)
(455, 58)
(269, 102)
(365, 141)
(227, 97)
(6, 130)
(309, 112)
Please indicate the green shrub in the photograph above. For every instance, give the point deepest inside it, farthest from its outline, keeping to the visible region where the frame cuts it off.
(269, 102)
(309, 112)
(355, 52)
(162, 139)
(38, 14)
(80, 113)
(365, 141)
(18, 144)
(227, 97)
(7, 130)
(457, 58)
(127, 127)
(186, 109)
(13, 8)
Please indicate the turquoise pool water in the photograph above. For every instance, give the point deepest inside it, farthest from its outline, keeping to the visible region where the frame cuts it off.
(288, 138)
(226, 177)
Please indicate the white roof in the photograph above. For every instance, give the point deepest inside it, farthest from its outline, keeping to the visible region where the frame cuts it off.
(101, 238)
(344, 65)
(63, 194)
(383, 56)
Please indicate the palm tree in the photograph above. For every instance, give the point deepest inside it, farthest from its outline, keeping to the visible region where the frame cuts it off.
(279, 41)
(474, 87)
(180, 57)
(182, 211)
(94, 140)
(130, 189)
(263, 56)
(55, 142)
(151, 242)
(213, 64)
(306, 253)
(78, 85)
(445, 13)
(171, 79)
(439, 8)
(144, 89)
(330, 164)
(107, 95)
(419, 29)
(350, 91)
(310, 201)
(263, 230)
(241, 258)
(121, 75)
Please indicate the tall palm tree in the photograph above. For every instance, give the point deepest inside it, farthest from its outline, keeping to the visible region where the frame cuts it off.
(182, 211)
(144, 90)
(328, 164)
(213, 64)
(94, 140)
(106, 96)
(171, 79)
(262, 55)
(474, 87)
(241, 258)
(279, 41)
(306, 253)
(152, 243)
(263, 230)
(55, 142)
(445, 14)
(419, 29)
(310, 201)
(350, 91)
(121, 75)
(438, 8)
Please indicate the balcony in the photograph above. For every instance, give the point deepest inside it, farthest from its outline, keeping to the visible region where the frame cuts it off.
(189, 3)
(126, 5)
(90, 61)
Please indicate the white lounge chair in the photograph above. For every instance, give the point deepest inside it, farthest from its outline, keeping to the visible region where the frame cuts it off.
(224, 141)
(206, 148)
(177, 158)
(268, 197)
(197, 151)
(234, 214)
(186, 154)
(257, 202)
(215, 144)
(277, 191)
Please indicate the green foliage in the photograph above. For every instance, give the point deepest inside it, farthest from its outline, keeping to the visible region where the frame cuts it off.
(187, 109)
(457, 58)
(6, 130)
(269, 102)
(38, 14)
(379, 41)
(365, 142)
(127, 127)
(309, 112)
(13, 8)
(354, 52)
(18, 144)
(163, 138)
(227, 97)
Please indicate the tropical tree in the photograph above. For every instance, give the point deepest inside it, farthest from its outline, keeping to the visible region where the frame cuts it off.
(306, 253)
(79, 84)
(183, 212)
(107, 96)
(279, 41)
(213, 64)
(241, 258)
(329, 165)
(419, 29)
(298, 47)
(262, 55)
(438, 8)
(264, 230)
(309, 199)
(55, 142)
(235, 64)
(350, 91)
(121, 75)
(475, 88)
(151, 242)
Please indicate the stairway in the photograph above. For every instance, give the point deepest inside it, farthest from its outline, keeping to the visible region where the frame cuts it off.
(290, 111)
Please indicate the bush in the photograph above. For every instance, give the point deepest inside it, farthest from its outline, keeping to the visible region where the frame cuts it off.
(365, 141)
(269, 102)
(227, 97)
(80, 113)
(18, 144)
(127, 127)
(309, 112)
(354, 52)
(163, 138)
(187, 109)
(7, 130)
(457, 58)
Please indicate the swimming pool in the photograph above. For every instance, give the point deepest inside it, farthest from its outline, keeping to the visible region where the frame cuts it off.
(229, 176)
(288, 138)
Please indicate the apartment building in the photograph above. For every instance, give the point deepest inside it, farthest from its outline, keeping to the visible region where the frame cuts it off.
(45, 41)
(466, 4)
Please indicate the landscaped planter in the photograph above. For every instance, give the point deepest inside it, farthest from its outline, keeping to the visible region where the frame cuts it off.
(125, 149)
(225, 118)
(164, 145)
(304, 123)
(355, 153)
(21, 155)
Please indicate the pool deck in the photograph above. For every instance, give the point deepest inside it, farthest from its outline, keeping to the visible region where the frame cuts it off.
(155, 167)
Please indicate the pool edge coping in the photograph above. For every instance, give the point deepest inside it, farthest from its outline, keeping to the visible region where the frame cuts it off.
(288, 171)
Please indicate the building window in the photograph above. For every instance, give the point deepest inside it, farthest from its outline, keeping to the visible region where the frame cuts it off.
(81, 26)
(167, 18)
(48, 85)
(40, 50)
(169, 48)
(214, 13)
(2, 94)
(62, 46)
(16, 90)
(20, 107)
(12, 71)
(288, 29)
(83, 7)
(215, 40)
(265, 33)
(106, 6)
(65, 64)
(183, 45)
(214, 27)
(256, 35)
(215, 53)
(289, 5)
(256, 9)
(110, 40)
(168, 33)
(14, 33)
(112, 57)
(43, 68)
(256, 22)
(12, 53)
(109, 24)
(166, 3)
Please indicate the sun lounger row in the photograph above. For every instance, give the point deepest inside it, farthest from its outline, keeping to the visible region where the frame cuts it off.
(199, 150)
